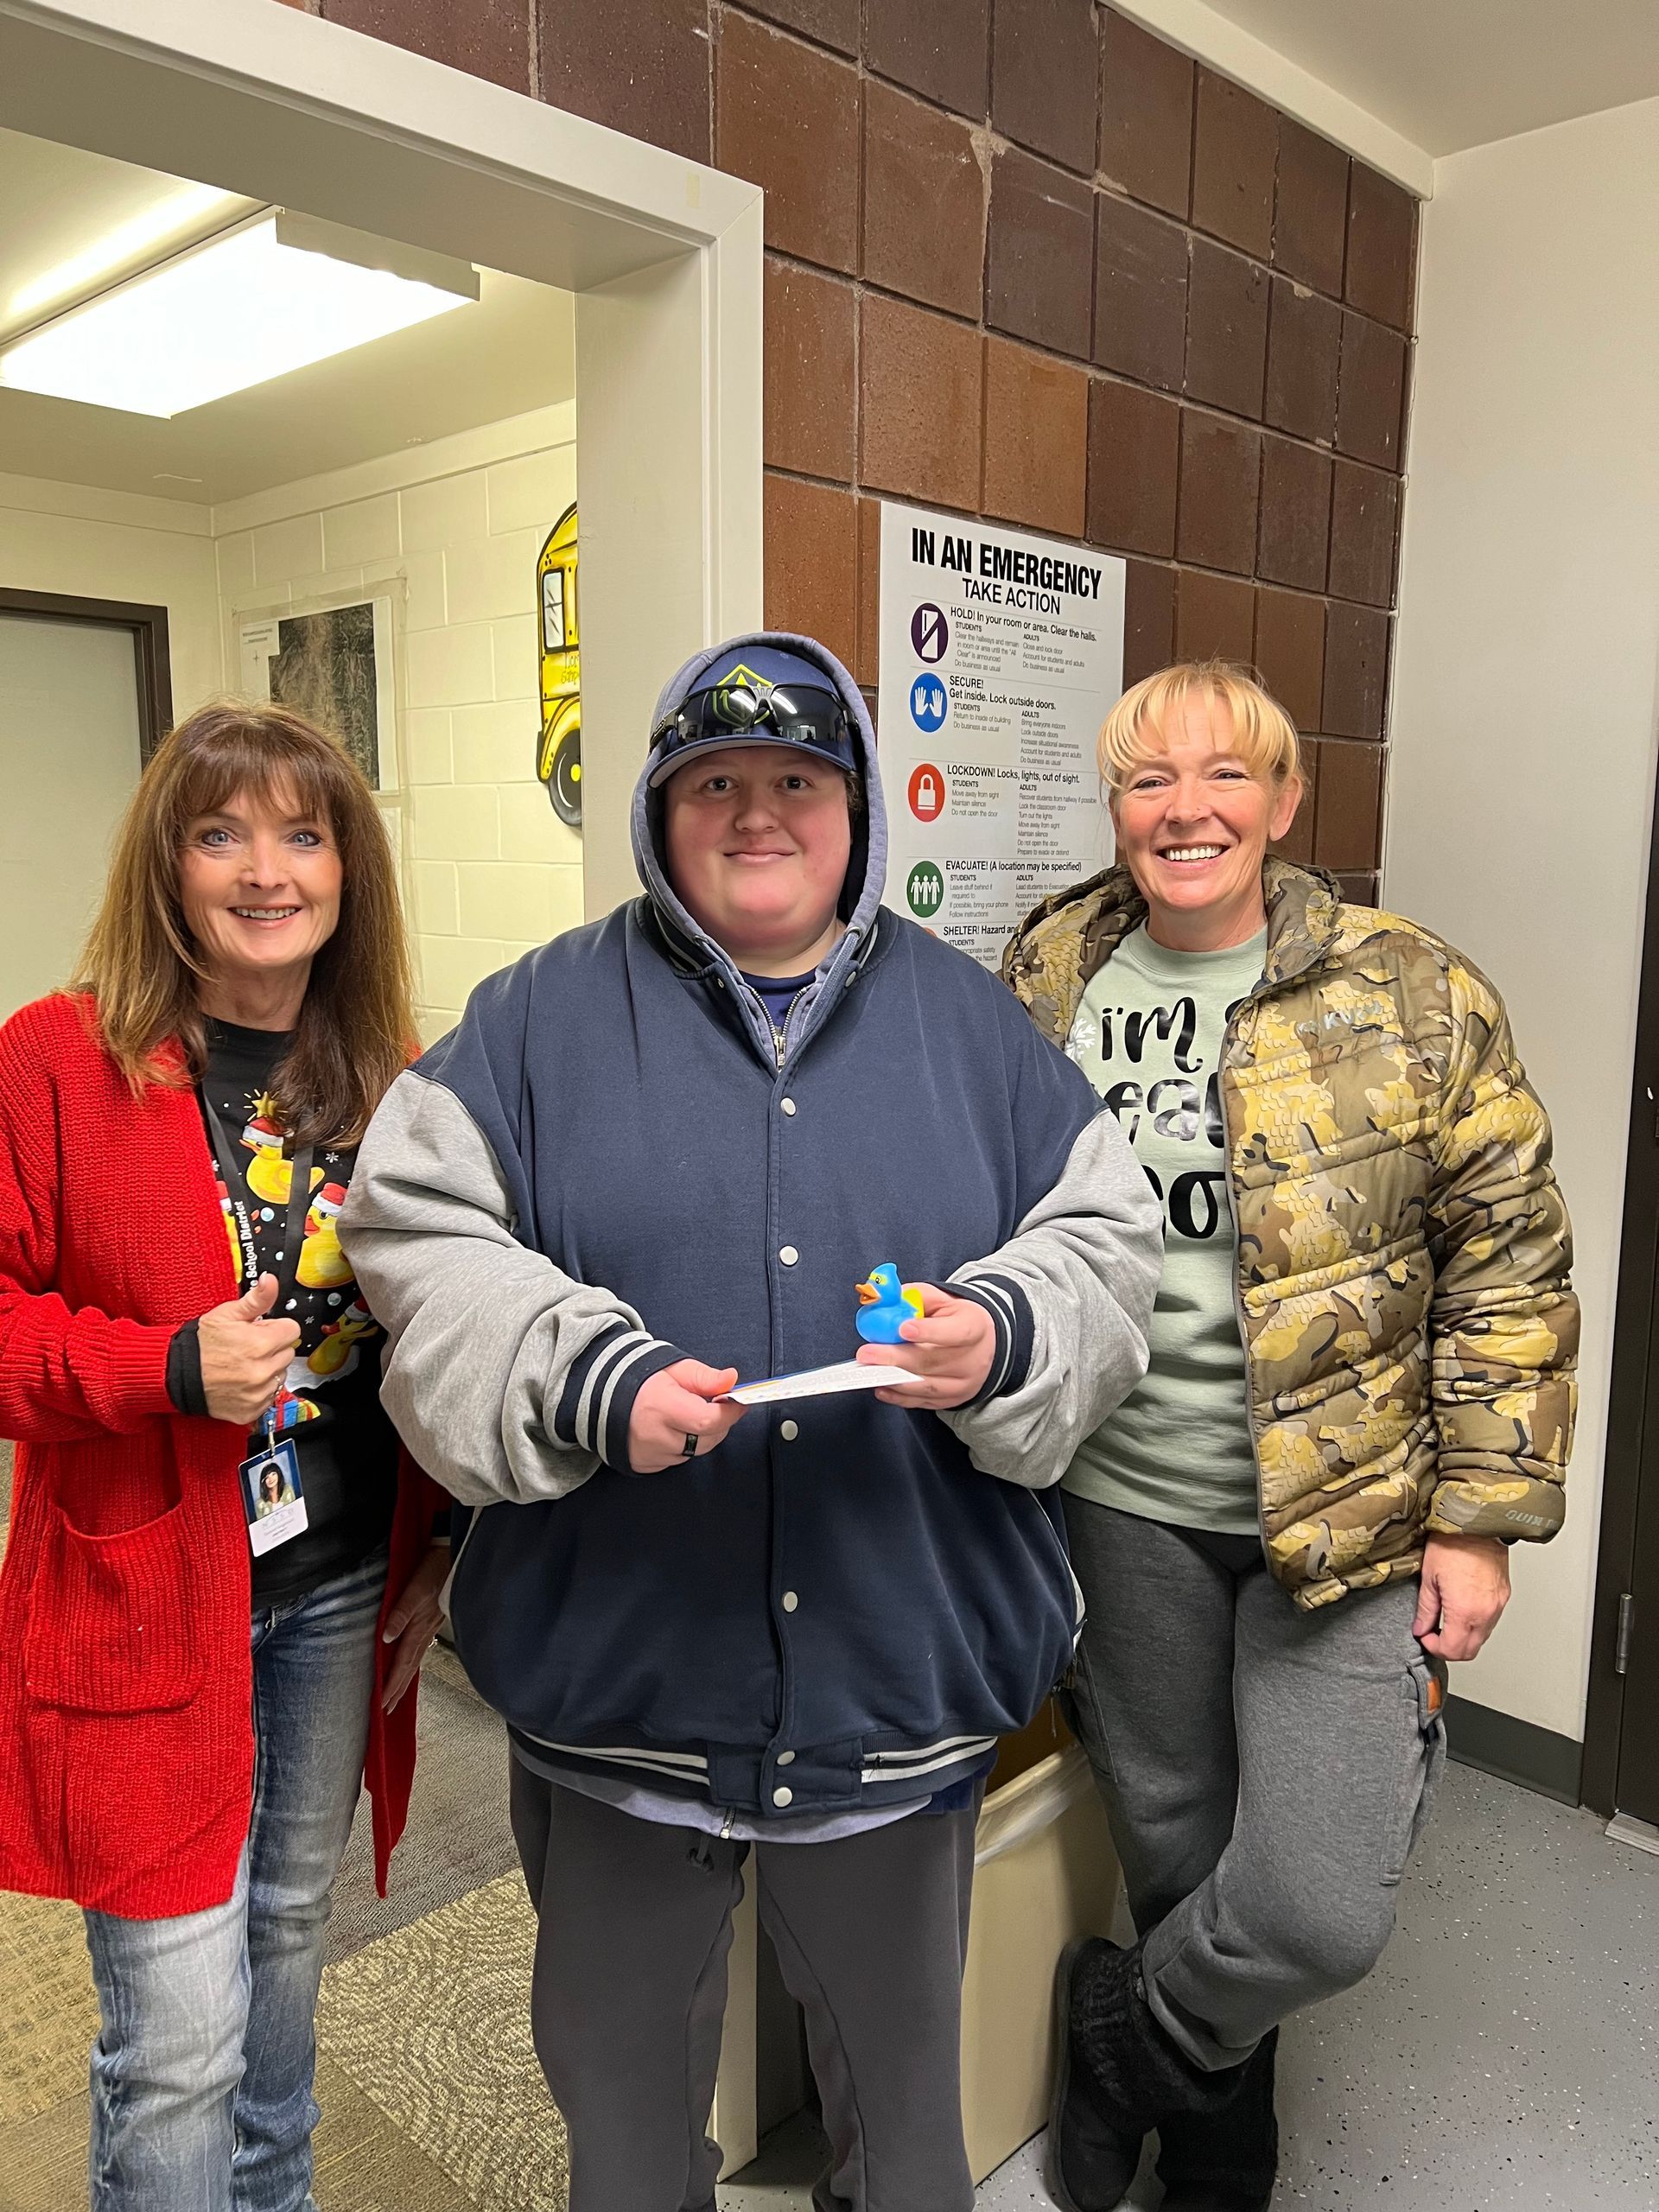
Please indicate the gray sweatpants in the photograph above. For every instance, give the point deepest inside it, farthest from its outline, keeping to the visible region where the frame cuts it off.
(1266, 1771)
(629, 1991)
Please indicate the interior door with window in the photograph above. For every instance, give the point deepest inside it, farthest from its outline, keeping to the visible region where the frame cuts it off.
(70, 743)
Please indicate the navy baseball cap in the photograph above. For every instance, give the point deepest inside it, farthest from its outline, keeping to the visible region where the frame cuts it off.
(758, 697)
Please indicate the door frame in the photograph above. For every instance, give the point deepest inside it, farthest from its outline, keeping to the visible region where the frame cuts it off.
(147, 626)
(1632, 1408)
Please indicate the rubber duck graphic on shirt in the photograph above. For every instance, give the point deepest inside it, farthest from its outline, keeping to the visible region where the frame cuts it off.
(336, 1355)
(323, 1266)
(270, 1176)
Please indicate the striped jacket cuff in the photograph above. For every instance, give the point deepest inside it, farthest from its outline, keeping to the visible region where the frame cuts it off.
(1010, 1309)
(597, 1401)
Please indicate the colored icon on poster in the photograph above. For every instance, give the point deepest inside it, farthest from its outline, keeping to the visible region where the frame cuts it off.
(929, 631)
(925, 888)
(926, 792)
(928, 703)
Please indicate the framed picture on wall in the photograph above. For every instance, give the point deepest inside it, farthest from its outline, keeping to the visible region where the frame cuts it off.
(334, 665)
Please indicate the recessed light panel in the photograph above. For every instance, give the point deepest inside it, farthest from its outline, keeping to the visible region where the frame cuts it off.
(269, 296)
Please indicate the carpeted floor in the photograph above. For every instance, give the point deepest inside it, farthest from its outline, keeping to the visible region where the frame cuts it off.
(458, 1839)
(431, 2098)
(432, 2025)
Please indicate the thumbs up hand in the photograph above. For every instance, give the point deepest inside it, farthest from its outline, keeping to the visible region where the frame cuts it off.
(245, 1355)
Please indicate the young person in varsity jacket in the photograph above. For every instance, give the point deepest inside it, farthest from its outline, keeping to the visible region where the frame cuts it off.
(659, 1154)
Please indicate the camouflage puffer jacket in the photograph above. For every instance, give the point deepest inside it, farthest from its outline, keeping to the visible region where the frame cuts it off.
(1403, 1251)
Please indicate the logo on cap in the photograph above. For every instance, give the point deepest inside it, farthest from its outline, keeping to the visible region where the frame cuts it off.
(740, 678)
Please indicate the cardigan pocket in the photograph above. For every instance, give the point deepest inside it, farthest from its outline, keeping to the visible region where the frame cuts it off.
(113, 1623)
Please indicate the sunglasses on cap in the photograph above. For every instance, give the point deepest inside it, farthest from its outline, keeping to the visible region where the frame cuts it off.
(740, 711)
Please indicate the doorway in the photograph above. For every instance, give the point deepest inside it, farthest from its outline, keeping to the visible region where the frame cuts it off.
(85, 693)
(663, 257)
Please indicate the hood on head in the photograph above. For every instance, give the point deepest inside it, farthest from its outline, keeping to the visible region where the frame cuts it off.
(867, 867)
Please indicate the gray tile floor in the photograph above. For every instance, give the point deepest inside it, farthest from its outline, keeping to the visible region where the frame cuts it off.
(1504, 2058)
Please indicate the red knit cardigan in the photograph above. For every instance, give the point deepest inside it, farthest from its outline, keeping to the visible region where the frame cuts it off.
(126, 1743)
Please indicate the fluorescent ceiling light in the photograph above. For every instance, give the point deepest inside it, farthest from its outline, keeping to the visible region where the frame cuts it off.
(272, 295)
(190, 208)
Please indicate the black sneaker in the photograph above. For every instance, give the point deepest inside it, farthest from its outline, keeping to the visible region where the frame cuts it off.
(1092, 2162)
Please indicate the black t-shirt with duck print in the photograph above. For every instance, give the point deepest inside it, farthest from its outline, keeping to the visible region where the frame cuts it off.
(329, 1403)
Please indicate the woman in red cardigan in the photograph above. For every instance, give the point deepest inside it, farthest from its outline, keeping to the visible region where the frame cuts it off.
(177, 1135)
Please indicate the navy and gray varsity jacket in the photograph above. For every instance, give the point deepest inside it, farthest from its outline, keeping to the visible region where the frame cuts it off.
(611, 1164)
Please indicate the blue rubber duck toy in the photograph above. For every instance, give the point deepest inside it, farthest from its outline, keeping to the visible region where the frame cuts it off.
(884, 1304)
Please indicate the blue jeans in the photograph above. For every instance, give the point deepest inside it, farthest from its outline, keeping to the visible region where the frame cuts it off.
(201, 2075)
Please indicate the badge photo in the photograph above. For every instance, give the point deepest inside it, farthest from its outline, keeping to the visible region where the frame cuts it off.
(273, 1498)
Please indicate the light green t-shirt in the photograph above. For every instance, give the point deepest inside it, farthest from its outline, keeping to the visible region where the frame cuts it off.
(1148, 1037)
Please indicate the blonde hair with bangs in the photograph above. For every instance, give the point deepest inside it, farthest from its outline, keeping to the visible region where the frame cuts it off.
(1264, 737)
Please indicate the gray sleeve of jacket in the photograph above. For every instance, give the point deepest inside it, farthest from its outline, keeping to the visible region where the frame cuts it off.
(1075, 1285)
(505, 1378)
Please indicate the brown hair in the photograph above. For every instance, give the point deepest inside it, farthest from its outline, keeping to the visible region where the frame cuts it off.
(1264, 737)
(143, 966)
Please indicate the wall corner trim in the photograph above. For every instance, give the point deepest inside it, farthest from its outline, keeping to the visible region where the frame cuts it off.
(1210, 37)
(1516, 1751)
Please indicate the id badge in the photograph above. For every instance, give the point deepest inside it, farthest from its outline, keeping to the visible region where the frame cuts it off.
(273, 1498)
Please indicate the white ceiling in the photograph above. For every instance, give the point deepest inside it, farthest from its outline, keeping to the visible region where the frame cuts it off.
(513, 352)
(1452, 73)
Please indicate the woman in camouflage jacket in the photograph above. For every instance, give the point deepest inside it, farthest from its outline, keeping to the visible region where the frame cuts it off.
(1361, 1394)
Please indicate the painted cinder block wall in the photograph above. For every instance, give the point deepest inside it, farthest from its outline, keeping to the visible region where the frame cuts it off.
(1029, 262)
(489, 871)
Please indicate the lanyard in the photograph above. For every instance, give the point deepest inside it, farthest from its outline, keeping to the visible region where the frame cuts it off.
(299, 1203)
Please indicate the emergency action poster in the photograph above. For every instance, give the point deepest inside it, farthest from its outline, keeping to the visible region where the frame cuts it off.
(1000, 654)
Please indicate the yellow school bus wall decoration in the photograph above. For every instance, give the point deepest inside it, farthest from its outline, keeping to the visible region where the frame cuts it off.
(558, 751)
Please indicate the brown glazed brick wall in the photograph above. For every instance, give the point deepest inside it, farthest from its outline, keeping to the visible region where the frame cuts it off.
(1025, 261)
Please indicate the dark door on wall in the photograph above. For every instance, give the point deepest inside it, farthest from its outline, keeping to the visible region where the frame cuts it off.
(1634, 1621)
(1621, 1762)
(83, 698)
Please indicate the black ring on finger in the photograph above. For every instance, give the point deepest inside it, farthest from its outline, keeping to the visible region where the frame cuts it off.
(690, 1451)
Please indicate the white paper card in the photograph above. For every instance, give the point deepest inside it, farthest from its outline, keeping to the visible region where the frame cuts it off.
(823, 1382)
